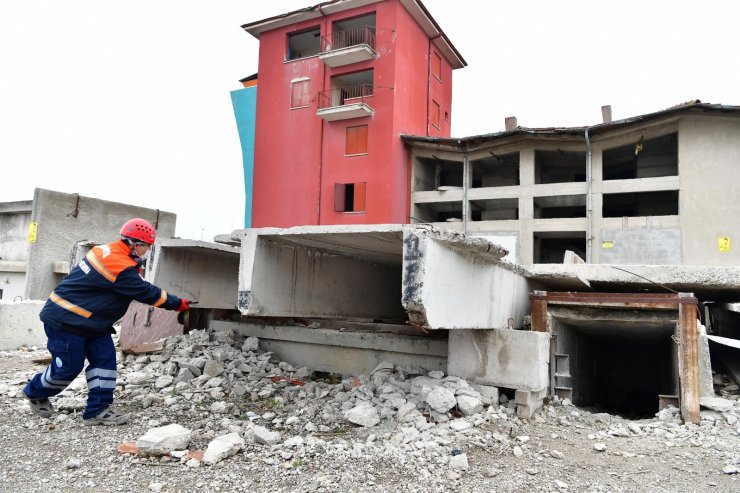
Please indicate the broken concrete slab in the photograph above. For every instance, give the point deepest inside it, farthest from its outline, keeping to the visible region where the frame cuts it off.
(223, 447)
(165, 439)
(313, 271)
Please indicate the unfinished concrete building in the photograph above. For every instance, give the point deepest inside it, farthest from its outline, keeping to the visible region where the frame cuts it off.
(40, 239)
(653, 189)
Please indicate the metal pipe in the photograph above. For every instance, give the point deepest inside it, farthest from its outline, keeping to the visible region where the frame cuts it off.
(465, 194)
(589, 199)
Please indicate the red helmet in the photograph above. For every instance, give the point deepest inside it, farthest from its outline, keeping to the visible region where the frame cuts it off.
(139, 229)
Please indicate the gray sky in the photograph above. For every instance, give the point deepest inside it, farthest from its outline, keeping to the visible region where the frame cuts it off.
(129, 101)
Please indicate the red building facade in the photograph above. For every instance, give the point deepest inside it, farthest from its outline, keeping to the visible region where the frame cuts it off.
(339, 83)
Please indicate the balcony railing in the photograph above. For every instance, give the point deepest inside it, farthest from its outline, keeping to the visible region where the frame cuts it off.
(361, 35)
(345, 103)
(345, 95)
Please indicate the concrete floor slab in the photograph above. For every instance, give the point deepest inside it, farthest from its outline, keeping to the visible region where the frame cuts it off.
(706, 282)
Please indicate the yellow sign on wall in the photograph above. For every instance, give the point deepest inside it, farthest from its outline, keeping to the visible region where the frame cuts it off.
(32, 229)
(607, 244)
(724, 244)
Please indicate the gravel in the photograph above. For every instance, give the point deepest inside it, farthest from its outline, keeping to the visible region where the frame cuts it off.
(264, 425)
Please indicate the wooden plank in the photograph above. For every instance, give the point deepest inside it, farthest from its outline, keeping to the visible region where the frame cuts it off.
(689, 362)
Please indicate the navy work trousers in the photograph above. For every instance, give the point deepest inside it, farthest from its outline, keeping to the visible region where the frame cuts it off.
(68, 353)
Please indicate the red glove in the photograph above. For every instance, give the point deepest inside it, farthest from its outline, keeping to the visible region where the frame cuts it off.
(184, 305)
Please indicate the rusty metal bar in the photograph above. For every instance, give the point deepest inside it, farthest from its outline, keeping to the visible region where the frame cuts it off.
(345, 95)
(631, 299)
(689, 361)
(539, 312)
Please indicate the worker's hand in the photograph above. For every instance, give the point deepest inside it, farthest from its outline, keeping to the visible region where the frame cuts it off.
(184, 305)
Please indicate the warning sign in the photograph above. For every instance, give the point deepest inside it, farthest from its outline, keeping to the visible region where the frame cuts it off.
(32, 229)
(724, 244)
(607, 244)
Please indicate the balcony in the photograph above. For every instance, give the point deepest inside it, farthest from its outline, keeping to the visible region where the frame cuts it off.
(349, 46)
(346, 102)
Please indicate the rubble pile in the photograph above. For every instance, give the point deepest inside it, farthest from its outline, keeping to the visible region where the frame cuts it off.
(209, 398)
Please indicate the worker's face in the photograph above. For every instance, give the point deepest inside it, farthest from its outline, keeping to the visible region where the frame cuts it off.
(142, 250)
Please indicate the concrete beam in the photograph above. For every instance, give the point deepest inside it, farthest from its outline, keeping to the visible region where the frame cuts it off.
(345, 352)
(12, 266)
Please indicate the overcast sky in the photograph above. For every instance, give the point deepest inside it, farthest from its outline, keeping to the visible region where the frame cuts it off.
(129, 101)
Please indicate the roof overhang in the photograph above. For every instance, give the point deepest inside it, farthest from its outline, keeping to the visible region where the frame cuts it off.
(417, 10)
(473, 142)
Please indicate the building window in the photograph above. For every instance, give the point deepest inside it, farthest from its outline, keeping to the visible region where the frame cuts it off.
(356, 140)
(434, 114)
(304, 44)
(642, 159)
(299, 93)
(349, 197)
(437, 66)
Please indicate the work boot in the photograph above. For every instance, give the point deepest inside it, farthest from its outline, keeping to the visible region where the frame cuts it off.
(107, 417)
(40, 407)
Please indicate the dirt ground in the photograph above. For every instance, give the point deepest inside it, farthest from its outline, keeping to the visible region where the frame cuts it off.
(556, 451)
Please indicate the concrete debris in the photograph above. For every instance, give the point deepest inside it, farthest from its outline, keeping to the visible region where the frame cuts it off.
(265, 436)
(716, 404)
(459, 462)
(441, 399)
(223, 447)
(363, 414)
(234, 403)
(163, 440)
(73, 463)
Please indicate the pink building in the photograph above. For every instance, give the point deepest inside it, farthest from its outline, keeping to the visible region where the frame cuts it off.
(338, 84)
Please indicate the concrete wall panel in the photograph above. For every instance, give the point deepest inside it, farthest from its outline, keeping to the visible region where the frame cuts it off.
(451, 282)
(197, 270)
(20, 325)
(709, 154)
(64, 219)
(513, 359)
(640, 246)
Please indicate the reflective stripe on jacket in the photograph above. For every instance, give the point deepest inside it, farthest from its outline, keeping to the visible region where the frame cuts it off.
(98, 291)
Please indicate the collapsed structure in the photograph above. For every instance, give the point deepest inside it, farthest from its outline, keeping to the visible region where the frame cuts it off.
(475, 286)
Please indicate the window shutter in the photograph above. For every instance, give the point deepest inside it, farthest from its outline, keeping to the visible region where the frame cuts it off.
(437, 65)
(359, 199)
(339, 194)
(299, 94)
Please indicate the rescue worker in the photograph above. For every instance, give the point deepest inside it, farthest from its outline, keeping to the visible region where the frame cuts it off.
(79, 316)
